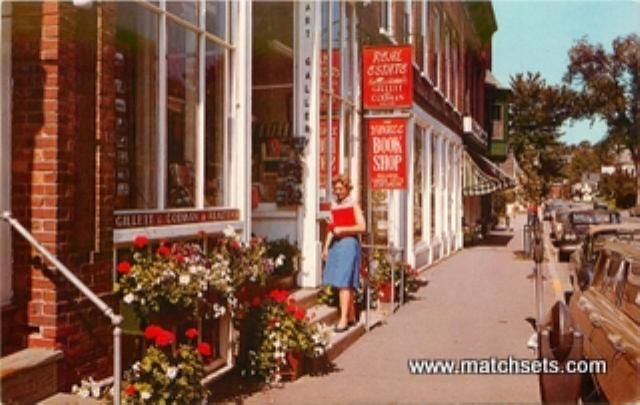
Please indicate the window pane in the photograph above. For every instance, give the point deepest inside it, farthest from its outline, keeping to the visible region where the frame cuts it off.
(182, 101)
(272, 101)
(135, 81)
(434, 172)
(215, 16)
(185, 9)
(214, 124)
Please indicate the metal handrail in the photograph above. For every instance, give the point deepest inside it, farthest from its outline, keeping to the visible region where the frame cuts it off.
(116, 319)
(393, 251)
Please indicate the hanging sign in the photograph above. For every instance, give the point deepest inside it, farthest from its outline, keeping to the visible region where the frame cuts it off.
(387, 77)
(335, 149)
(387, 158)
(163, 218)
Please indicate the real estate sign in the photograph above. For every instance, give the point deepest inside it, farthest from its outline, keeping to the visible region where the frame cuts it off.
(387, 157)
(387, 77)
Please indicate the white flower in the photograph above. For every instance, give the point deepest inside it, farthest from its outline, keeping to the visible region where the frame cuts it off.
(129, 298)
(229, 232)
(83, 392)
(279, 260)
(172, 372)
(145, 394)
(136, 366)
(95, 390)
(184, 279)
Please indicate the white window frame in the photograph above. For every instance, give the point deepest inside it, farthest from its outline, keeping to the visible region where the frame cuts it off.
(386, 27)
(436, 41)
(6, 268)
(202, 36)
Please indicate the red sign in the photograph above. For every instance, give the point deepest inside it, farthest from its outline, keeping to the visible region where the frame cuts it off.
(335, 149)
(324, 79)
(387, 77)
(387, 153)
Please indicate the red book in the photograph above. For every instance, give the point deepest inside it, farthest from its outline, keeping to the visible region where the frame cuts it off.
(343, 216)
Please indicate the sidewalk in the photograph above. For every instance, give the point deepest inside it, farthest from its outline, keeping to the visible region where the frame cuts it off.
(474, 306)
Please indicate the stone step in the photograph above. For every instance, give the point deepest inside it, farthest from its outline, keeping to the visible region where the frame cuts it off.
(29, 375)
(339, 342)
(63, 398)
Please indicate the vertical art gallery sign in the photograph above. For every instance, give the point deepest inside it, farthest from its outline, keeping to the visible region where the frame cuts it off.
(387, 153)
(387, 77)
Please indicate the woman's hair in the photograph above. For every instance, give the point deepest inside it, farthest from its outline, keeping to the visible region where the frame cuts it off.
(342, 179)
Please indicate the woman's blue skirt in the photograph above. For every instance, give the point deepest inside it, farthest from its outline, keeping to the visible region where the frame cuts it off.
(343, 263)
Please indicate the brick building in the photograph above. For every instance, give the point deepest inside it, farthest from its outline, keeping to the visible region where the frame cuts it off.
(178, 119)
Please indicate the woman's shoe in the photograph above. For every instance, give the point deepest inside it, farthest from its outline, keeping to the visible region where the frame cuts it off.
(351, 323)
(338, 329)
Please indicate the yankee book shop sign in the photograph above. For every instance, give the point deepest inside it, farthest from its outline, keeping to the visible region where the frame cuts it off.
(387, 153)
(387, 77)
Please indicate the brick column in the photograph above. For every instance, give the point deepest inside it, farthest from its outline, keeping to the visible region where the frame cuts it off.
(52, 135)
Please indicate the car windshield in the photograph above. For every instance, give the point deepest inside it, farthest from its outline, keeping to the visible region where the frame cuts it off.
(583, 219)
(603, 218)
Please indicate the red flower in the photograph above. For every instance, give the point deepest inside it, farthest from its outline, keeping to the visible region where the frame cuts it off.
(204, 349)
(292, 308)
(256, 301)
(131, 390)
(124, 267)
(191, 333)
(140, 241)
(300, 314)
(278, 295)
(165, 338)
(152, 331)
(179, 258)
(235, 245)
(164, 251)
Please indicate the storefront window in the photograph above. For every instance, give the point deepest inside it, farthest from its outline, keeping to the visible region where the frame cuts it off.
(434, 182)
(272, 96)
(135, 81)
(147, 176)
(418, 151)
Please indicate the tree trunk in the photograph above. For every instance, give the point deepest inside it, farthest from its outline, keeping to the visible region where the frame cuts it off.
(637, 182)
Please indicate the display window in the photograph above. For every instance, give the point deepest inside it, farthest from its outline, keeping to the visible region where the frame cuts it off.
(418, 184)
(168, 154)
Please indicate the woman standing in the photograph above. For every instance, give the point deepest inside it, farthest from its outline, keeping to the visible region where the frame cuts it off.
(342, 250)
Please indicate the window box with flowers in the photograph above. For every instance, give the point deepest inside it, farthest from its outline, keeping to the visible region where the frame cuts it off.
(286, 257)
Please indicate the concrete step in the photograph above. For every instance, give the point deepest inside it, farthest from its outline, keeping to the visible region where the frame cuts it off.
(339, 342)
(305, 297)
(29, 375)
(323, 314)
(63, 398)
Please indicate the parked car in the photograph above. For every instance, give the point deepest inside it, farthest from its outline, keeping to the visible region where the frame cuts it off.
(607, 313)
(575, 226)
(557, 222)
(583, 259)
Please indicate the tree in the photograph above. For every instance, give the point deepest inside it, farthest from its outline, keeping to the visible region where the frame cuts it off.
(537, 111)
(584, 159)
(609, 86)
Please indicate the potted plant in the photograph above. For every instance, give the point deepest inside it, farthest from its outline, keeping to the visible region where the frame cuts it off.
(285, 256)
(282, 336)
(380, 278)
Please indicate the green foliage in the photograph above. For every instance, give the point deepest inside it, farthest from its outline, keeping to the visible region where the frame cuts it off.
(583, 159)
(619, 187)
(609, 86)
(327, 296)
(537, 111)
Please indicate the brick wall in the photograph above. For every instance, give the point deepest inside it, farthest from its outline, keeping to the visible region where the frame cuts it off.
(57, 127)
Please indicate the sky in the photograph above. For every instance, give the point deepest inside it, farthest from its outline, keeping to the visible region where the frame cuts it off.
(536, 35)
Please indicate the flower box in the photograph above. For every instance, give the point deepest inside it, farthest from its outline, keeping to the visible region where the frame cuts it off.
(384, 293)
(294, 368)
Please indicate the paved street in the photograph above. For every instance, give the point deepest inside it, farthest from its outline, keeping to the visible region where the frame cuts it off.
(474, 306)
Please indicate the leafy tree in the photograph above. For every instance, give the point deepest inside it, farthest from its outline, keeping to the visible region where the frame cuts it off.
(619, 187)
(584, 158)
(537, 111)
(609, 85)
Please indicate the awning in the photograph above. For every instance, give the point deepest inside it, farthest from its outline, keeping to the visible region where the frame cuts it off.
(482, 176)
